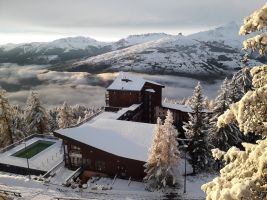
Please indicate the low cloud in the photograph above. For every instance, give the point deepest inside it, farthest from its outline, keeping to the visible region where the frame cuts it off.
(54, 95)
(80, 87)
(54, 87)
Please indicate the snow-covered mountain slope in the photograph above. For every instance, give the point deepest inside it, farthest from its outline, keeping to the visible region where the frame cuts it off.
(62, 50)
(52, 52)
(215, 52)
(227, 34)
(67, 44)
(75, 43)
(138, 39)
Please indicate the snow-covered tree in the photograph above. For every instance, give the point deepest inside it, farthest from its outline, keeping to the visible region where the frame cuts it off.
(240, 83)
(206, 103)
(228, 136)
(170, 151)
(162, 164)
(153, 177)
(182, 102)
(211, 105)
(35, 116)
(243, 76)
(5, 120)
(66, 118)
(253, 103)
(52, 118)
(245, 175)
(234, 91)
(18, 124)
(196, 130)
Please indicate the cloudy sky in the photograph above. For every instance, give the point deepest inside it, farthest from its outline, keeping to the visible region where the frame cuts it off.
(109, 20)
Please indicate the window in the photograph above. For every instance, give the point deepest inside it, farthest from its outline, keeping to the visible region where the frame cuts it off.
(76, 161)
(87, 163)
(140, 97)
(73, 147)
(100, 165)
(66, 149)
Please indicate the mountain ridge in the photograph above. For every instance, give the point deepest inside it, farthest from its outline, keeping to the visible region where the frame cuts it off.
(215, 52)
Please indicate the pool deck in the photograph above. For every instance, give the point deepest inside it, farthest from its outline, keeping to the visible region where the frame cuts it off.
(44, 161)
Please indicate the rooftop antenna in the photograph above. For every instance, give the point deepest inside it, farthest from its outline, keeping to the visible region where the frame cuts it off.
(125, 79)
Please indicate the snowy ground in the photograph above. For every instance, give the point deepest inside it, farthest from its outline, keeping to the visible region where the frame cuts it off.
(34, 190)
(121, 189)
(44, 160)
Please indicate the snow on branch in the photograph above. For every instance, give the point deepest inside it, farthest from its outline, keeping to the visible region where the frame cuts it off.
(243, 177)
(255, 22)
(257, 42)
(259, 76)
(217, 154)
(250, 112)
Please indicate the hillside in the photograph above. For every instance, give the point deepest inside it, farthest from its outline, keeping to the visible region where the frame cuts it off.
(215, 52)
(65, 49)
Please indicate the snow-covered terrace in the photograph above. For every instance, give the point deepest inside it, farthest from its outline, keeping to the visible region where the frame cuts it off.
(122, 138)
(173, 106)
(115, 115)
(180, 107)
(44, 161)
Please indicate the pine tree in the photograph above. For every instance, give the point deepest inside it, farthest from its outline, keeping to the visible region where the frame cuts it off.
(18, 124)
(206, 102)
(154, 162)
(228, 136)
(182, 102)
(243, 76)
(66, 118)
(196, 130)
(5, 121)
(241, 82)
(35, 115)
(244, 176)
(170, 149)
(161, 166)
(52, 118)
(235, 92)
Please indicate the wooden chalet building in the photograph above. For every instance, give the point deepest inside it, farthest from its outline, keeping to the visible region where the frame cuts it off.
(127, 90)
(108, 147)
(116, 141)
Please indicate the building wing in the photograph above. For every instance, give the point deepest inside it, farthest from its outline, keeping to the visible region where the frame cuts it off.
(122, 138)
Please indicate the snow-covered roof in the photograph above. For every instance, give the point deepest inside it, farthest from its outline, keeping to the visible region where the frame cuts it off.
(174, 106)
(114, 115)
(180, 107)
(122, 138)
(150, 90)
(129, 82)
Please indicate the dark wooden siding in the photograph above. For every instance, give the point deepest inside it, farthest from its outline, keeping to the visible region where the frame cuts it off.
(157, 96)
(150, 101)
(120, 98)
(123, 167)
(179, 117)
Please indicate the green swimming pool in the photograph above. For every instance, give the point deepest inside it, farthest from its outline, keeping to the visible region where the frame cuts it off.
(33, 149)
